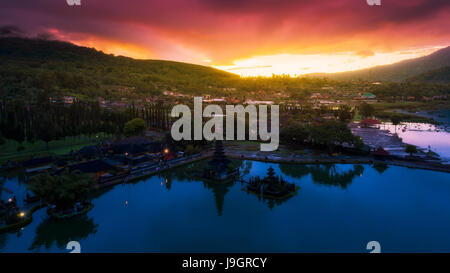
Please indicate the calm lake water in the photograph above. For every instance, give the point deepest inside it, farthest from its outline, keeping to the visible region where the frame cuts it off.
(424, 135)
(442, 115)
(339, 208)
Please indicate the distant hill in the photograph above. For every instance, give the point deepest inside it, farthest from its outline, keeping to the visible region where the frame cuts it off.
(31, 68)
(397, 72)
(440, 75)
(29, 64)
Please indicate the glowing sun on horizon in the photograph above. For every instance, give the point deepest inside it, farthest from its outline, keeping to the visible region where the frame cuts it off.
(300, 64)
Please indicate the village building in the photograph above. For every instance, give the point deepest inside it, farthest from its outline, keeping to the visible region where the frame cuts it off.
(68, 99)
(36, 165)
(381, 153)
(90, 152)
(267, 102)
(95, 168)
(368, 96)
(368, 122)
(136, 146)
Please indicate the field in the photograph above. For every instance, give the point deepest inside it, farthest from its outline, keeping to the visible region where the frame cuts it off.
(9, 150)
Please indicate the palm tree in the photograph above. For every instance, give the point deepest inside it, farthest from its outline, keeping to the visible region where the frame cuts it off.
(411, 149)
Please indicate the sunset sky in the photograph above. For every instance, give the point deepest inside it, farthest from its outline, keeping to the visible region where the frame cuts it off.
(246, 37)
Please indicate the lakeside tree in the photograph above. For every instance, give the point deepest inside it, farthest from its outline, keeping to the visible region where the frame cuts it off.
(366, 110)
(47, 121)
(135, 126)
(396, 119)
(294, 132)
(330, 133)
(411, 149)
(358, 142)
(63, 191)
(344, 113)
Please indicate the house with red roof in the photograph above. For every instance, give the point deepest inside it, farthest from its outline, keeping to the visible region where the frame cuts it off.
(380, 153)
(369, 122)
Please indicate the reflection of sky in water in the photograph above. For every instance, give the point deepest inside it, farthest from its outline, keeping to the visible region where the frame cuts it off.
(338, 208)
(440, 115)
(19, 190)
(423, 135)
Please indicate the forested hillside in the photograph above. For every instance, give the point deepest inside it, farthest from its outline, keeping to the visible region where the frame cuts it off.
(29, 65)
(397, 72)
(34, 67)
(440, 75)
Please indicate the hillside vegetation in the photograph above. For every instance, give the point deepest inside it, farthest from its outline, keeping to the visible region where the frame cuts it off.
(440, 75)
(398, 71)
(31, 64)
(35, 67)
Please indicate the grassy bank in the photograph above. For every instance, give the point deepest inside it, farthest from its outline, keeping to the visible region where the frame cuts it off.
(386, 115)
(10, 149)
(411, 106)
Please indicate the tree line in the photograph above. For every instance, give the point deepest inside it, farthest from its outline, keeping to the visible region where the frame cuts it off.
(46, 121)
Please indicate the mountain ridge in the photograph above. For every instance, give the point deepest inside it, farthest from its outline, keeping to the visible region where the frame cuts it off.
(38, 48)
(395, 72)
(60, 66)
(440, 75)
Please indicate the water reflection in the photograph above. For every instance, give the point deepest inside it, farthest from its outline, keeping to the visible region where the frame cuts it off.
(52, 231)
(380, 167)
(326, 174)
(3, 238)
(170, 217)
(17, 174)
(423, 135)
(271, 203)
(219, 189)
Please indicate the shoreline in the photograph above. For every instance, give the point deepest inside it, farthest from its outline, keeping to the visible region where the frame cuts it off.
(356, 160)
(131, 178)
(288, 160)
(21, 224)
(255, 157)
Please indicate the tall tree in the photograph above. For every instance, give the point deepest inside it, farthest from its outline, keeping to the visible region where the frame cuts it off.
(63, 191)
(366, 110)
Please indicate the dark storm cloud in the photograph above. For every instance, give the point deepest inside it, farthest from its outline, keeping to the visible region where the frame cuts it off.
(229, 29)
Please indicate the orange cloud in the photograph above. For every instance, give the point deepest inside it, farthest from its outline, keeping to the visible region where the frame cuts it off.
(221, 33)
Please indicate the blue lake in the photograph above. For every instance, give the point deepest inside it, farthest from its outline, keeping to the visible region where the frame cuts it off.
(339, 208)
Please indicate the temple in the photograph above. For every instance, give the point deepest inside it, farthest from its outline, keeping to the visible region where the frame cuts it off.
(219, 169)
(271, 186)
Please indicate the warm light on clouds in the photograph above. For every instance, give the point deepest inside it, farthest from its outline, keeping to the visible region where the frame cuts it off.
(116, 48)
(248, 37)
(295, 65)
